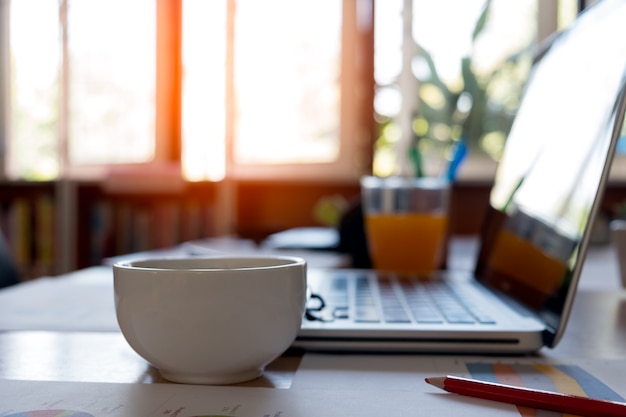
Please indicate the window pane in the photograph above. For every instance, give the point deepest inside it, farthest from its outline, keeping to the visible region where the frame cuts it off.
(287, 70)
(203, 95)
(388, 42)
(34, 89)
(112, 57)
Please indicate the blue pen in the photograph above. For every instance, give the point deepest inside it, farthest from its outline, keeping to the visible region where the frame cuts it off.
(459, 153)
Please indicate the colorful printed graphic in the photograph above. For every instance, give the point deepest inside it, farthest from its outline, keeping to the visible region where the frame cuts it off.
(51, 413)
(569, 379)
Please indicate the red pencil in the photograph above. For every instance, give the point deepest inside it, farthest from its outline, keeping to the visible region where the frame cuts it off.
(564, 403)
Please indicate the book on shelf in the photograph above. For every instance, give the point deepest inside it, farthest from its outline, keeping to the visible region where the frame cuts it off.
(123, 227)
(29, 225)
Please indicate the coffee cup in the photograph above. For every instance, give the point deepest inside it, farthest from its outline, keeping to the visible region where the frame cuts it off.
(217, 320)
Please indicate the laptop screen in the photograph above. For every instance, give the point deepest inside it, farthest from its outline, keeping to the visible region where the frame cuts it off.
(554, 166)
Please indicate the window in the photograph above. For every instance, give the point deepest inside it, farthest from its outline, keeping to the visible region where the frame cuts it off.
(111, 81)
(258, 93)
(31, 87)
(279, 101)
(451, 72)
(81, 90)
(241, 88)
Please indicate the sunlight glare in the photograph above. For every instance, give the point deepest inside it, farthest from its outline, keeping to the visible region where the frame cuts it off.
(112, 87)
(287, 58)
(203, 94)
(35, 69)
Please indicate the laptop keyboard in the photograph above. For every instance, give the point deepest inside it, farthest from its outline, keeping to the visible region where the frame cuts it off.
(399, 301)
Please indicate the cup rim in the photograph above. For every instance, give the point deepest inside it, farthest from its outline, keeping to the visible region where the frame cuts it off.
(246, 263)
(396, 181)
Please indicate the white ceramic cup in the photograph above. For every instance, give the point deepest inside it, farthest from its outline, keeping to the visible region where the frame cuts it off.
(217, 320)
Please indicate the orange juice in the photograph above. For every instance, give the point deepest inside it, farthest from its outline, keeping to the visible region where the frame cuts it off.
(406, 243)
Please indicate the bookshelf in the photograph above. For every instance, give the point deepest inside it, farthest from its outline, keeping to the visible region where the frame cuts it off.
(56, 227)
(27, 219)
(117, 223)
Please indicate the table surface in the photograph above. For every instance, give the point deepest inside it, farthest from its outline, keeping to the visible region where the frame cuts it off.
(597, 329)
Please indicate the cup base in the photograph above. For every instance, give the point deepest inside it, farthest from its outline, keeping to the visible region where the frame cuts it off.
(212, 379)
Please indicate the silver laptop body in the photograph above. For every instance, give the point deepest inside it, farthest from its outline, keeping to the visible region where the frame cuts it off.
(543, 203)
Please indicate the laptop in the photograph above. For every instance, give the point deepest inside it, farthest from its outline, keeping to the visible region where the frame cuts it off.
(542, 207)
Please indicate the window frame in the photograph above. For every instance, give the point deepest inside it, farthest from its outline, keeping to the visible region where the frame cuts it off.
(167, 149)
(358, 129)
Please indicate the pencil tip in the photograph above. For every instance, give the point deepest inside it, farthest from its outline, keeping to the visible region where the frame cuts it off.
(436, 381)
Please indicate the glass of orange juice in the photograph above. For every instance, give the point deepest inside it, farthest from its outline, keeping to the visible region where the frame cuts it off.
(406, 223)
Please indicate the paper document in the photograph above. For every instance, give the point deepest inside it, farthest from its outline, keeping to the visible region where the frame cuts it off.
(324, 385)
(72, 399)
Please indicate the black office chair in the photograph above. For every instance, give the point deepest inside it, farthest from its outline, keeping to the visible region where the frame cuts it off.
(9, 273)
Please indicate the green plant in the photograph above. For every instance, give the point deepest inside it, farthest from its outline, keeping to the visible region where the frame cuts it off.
(478, 109)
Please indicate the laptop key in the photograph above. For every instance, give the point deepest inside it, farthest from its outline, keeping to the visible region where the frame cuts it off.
(485, 319)
(366, 315)
(365, 310)
(427, 315)
(393, 310)
(459, 318)
(396, 315)
(338, 301)
(339, 284)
